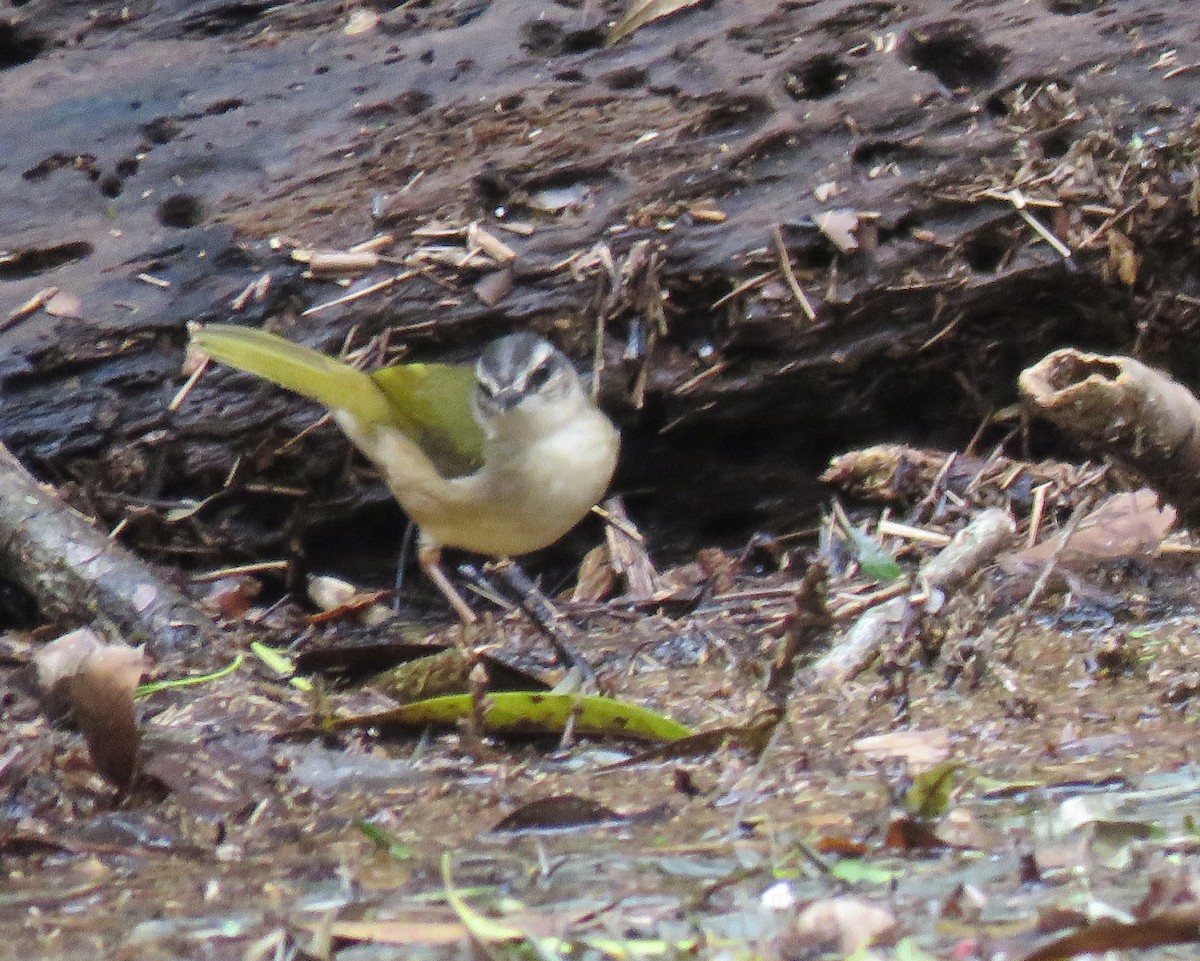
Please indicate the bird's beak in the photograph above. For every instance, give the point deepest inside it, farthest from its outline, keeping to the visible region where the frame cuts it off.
(506, 400)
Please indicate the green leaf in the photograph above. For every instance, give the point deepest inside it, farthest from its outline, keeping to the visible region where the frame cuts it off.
(483, 929)
(872, 558)
(281, 664)
(855, 871)
(524, 712)
(487, 932)
(907, 950)
(930, 791)
(384, 840)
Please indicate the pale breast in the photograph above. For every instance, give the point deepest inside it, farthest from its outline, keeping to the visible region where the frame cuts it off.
(530, 501)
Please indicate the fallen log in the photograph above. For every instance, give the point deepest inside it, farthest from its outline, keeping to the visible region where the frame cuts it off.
(78, 575)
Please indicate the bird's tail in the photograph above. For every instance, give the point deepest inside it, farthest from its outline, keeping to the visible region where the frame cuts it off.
(298, 368)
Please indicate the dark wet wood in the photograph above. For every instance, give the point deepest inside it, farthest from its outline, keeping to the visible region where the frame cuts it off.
(170, 143)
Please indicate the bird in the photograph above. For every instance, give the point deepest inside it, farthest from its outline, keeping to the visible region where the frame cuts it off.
(501, 459)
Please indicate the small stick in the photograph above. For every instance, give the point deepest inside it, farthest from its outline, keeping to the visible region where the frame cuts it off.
(366, 291)
(181, 395)
(29, 308)
(785, 264)
(538, 609)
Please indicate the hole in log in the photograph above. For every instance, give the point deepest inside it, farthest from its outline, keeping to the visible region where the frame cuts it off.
(181, 210)
(18, 45)
(817, 78)
(37, 260)
(953, 52)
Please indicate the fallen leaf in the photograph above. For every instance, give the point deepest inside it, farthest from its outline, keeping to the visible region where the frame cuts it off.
(521, 712)
(64, 304)
(1179, 926)
(596, 577)
(1127, 525)
(494, 287)
(839, 227)
(846, 925)
(557, 812)
(337, 598)
(97, 681)
(921, 749)
(642, 12)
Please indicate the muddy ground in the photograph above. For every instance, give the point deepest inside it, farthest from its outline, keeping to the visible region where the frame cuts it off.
(667, 199)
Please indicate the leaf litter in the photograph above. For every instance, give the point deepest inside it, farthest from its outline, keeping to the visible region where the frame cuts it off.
(1074, 695)
(896, 776)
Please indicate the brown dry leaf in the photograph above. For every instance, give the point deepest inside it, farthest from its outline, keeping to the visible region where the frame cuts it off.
(231, 597)
(406, 933)
(1123, 258)
(597, 578)
(556, 812)
(642, 12)
(60, 658)
(921, 749)
(627, 552)
(338, 598)
(1128, 525)
(1176, 926)
(97, 681)
(846, 925)
(494, 287)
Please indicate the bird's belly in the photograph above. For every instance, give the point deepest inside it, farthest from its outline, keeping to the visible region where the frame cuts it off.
(534, 499)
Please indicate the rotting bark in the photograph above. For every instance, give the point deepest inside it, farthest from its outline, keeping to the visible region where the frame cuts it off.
(1128, 411)
(699, 135)
(78, 574)
(972, 548)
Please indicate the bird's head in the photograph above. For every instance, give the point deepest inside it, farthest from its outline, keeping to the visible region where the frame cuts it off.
(525, 386)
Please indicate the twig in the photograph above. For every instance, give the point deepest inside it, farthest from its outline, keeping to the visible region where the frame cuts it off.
(538, 609)
(1052, 562)
(182, 393)
(785, 265)
(365, 292)
(29, 308)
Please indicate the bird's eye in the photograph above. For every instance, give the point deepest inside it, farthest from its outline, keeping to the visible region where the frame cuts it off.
(539, 377)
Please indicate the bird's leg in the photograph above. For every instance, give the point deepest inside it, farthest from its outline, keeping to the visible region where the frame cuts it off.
(406, 546)
(430, 559)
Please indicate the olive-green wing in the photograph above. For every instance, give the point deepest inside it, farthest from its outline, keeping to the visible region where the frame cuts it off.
(437, 399)
(431, 403)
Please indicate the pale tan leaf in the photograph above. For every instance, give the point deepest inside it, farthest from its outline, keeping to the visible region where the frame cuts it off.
(921, 749)
(97, 681)
(64, 304)
(846, 925)
(642, 12)
(839, 226)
